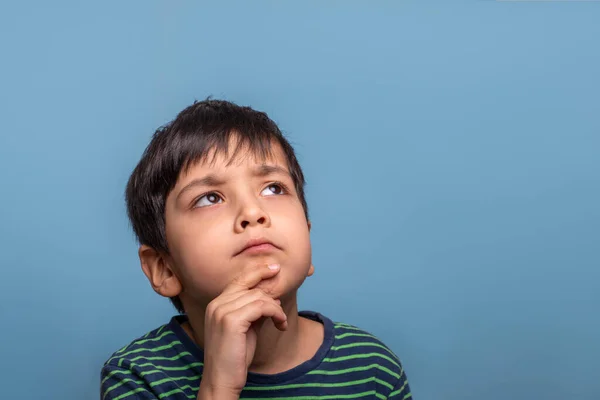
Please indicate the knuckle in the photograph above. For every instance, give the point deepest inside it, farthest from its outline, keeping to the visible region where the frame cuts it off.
(228, 321)
(259, 302)
(218, 314)
(210, 308)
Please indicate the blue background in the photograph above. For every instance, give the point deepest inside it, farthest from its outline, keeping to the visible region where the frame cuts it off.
(452, 153)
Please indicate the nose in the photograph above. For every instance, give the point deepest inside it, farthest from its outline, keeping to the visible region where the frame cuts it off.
(251, 214)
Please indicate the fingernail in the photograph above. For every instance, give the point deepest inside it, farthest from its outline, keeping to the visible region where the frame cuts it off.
(274, 266)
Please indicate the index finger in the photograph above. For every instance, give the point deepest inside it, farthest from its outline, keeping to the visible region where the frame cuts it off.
(251, 277)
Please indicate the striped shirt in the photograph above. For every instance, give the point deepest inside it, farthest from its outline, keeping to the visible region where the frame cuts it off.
(167, 364)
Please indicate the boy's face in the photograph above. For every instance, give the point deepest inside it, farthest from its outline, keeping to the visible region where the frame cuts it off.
(216, 209)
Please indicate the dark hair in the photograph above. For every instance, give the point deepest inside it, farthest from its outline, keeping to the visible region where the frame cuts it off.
(203, 127)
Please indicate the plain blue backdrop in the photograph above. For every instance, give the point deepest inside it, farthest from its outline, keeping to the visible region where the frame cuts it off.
(452, 152)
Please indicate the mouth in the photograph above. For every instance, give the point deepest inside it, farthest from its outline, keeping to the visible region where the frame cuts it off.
(257, 246)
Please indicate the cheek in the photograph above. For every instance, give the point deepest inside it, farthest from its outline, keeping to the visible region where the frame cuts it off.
(202, 239)
(200, 254)
(294, 228)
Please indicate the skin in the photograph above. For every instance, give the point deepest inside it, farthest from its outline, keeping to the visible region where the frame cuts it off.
(241, 312)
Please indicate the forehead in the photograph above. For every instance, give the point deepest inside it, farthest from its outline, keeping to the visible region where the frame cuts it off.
(235, 156)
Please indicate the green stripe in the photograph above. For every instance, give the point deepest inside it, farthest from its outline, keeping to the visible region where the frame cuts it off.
(321, 385)
(131, 392)
(111, 373)
(143, 341)
(342, 324)
(179, 390)
(154, 350)
(154, 339)
(354, 369)
(160, 367)
(154, 371)
(182, 354)
(121, 383)
(357, 344)
(332, 396)
(120, 350)
(396, 392)
(344, 335)
(181, 378)
(177, 357)
(366, 355)
(350, 327)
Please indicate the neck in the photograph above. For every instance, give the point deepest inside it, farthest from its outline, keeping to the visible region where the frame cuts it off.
(276, 351)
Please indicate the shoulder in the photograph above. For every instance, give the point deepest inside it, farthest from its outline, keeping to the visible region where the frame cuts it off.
(157, 340)
(149, 366)
(356, 349)
(353, 340)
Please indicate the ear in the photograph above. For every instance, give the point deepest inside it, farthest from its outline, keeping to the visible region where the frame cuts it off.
(159, 272)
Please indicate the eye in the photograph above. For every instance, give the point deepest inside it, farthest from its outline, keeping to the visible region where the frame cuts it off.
(208, 200)
(273, 189)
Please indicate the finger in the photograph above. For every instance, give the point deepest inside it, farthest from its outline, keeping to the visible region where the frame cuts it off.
(251, 277)
(243, 317)
(241, 300)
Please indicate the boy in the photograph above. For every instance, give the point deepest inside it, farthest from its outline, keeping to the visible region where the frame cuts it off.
(217, 203)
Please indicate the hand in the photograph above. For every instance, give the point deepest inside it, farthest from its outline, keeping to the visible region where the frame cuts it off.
(232, 322)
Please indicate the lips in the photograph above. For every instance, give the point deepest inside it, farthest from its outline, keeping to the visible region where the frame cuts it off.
(258, 245)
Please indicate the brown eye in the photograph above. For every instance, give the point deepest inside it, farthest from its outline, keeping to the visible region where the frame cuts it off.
(273, 189)
(208, 200)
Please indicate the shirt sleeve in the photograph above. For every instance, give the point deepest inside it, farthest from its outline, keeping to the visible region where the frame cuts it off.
(122, 384)
(401, 390)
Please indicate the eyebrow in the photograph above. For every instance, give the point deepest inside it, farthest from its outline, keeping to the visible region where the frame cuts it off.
(266, 169)
(213, 180)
